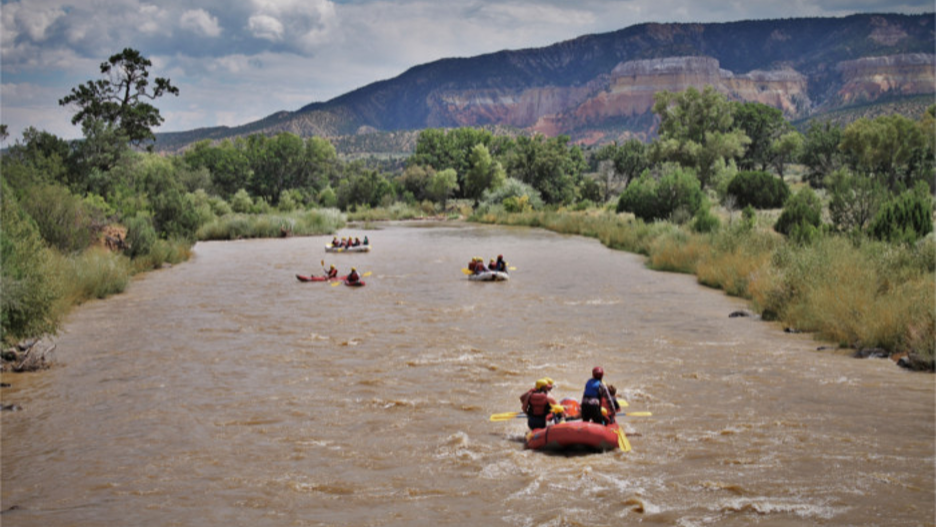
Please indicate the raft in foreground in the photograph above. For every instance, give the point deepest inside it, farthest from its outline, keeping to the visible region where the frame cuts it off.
(574, 435)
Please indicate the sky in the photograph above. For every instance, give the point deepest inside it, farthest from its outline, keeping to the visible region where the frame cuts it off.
(237, 61)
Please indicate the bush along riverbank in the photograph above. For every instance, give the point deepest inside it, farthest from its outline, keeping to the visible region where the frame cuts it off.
(876, 297)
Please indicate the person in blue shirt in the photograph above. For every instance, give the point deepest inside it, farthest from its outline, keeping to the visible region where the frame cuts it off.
(595, 391)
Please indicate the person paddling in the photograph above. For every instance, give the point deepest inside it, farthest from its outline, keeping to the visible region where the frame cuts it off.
(332, 272)
(501, 265)
(353, 277)
(539, 404)
(609, 405)
(595, 391)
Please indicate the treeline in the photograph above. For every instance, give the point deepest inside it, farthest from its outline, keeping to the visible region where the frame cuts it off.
(871, 180)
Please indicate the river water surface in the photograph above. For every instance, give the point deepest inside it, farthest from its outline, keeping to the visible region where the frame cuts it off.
(225, 392)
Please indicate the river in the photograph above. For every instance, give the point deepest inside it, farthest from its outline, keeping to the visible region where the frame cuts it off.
(223, 391)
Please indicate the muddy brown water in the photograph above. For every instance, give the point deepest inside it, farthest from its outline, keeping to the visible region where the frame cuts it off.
(225, 392)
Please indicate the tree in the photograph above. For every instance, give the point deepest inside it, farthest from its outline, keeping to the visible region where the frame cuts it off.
(887, 147)
(228, 165)
(854, 200)
(119, 99)
(764, 125)
(619, 164)
(785, 149)
(696, 131)
(548, 165)
(442, 184)
(820, 152)
(483, 173)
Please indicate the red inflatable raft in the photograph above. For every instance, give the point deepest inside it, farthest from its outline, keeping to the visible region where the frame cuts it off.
(574, 435)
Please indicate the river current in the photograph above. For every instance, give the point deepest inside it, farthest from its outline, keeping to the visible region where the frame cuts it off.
(223, 391)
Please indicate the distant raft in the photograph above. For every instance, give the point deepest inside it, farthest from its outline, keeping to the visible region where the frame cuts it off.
(489, 276)
(356, 249)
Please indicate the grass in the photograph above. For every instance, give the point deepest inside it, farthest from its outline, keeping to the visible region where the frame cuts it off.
(300, 223)
(862, 294)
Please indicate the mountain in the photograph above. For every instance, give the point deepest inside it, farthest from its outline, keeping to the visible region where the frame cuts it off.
(598, 88)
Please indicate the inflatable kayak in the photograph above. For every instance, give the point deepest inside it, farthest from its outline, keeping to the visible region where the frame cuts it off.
(489, 276)
(359, 283)
(574, 435)
(359, 249)
(303, 278)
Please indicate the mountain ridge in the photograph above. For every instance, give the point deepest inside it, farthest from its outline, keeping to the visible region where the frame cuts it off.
(589, 87)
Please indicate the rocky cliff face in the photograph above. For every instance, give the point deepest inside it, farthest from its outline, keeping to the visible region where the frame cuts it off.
(869, 79)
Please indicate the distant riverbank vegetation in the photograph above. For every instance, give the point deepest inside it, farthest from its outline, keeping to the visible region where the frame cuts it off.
(827, 231)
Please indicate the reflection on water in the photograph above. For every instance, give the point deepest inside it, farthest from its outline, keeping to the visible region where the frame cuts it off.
(225, 391)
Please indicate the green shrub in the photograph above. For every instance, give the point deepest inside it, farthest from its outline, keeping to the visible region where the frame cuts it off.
(28, 282)
(639, 198)
(906, 218)
(803, 208)
(516, 189)
(62, 218)
(241, 202)
(760, 190)
(705, 221)
(141, 235)
(677, 193)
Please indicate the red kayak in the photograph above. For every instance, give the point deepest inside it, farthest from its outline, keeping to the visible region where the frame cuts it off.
(303, 278)
(359, 283)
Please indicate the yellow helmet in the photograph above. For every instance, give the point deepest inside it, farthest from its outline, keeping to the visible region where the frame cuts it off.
(548, 381)
(558, 408)
(541, 383)
(353, 269)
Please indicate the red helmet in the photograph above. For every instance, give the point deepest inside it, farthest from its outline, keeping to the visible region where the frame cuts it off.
(598, 372)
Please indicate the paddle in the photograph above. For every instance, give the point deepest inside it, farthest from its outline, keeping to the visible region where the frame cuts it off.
(623, 443)
(466, 271)
(507, 416)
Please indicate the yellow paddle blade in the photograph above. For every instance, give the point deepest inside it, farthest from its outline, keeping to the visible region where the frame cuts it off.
(506, 416)
(368, 273)
(622, 403)
(336, 282)
(466, 271)
(511, 268)
(623, 443)
(638, 414)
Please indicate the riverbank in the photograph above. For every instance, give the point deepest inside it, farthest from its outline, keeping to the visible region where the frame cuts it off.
(874, 297)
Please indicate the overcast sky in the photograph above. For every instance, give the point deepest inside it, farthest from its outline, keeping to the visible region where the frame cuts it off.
(236, 61)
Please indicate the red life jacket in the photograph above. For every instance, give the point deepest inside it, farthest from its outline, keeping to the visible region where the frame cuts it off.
(538, 404)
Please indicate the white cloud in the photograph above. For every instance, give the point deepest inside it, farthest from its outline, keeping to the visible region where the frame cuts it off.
(200, 22)
(266, 27)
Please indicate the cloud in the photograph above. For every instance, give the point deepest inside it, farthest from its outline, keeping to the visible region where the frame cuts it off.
(300, 25)
(200, 22)
(266, 27)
